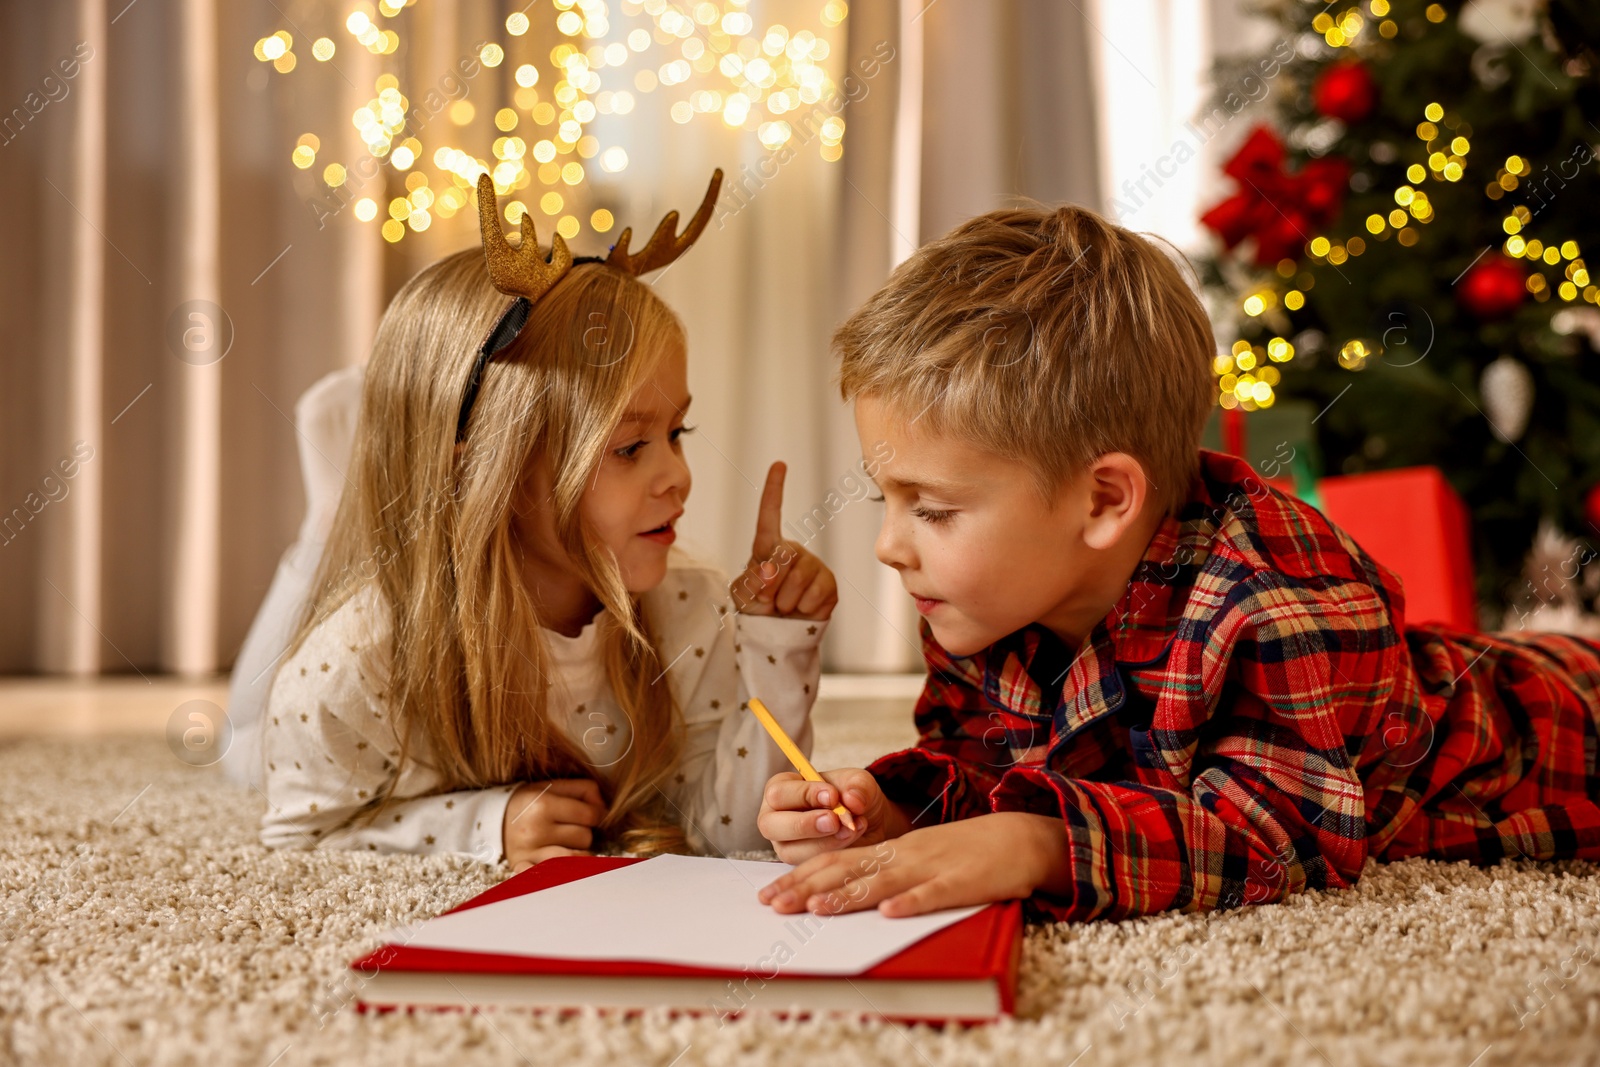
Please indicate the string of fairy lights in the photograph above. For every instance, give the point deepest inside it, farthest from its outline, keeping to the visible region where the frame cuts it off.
(712, 56)
(1246, 376)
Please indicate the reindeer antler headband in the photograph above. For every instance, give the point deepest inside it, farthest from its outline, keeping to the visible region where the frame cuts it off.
(527, 274)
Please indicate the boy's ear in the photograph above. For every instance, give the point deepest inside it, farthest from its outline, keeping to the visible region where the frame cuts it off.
(1117, 492)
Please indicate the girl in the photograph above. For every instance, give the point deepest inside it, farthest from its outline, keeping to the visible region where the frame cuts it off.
(502, 654)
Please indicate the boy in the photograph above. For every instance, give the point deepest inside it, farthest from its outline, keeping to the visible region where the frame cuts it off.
(1154, 682)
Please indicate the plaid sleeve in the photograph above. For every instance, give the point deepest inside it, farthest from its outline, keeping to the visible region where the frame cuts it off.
(960, 753)
(1269, 802)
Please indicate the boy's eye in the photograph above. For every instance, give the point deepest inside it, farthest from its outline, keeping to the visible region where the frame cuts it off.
(932, 516)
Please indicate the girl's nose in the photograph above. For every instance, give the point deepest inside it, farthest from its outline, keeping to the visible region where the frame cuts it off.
(675, 475)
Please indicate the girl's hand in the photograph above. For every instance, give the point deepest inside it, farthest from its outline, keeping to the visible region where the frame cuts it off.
(782, 578)
(554, 818)
(797, 816)
(1003, 856)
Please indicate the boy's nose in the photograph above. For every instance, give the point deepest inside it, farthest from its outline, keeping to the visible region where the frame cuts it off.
(891, 548)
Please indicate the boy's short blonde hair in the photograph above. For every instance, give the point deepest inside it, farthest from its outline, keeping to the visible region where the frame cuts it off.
(1050, 336)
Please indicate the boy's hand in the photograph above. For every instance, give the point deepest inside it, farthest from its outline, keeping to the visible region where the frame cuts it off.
(797, 816)
(1003, 856)
(782, 578)
(546, 819)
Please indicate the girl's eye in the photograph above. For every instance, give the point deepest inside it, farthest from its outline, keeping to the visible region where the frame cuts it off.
(932, 516)
(876, 499)
(632, 451)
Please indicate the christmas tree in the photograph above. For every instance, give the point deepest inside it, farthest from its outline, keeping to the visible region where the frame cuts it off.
(1408, 250)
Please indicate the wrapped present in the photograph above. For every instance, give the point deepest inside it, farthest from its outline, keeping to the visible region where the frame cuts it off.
(1281, 444)
(1410, 519)
(1412, 522)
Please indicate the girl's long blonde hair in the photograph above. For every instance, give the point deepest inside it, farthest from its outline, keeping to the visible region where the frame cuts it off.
(432, 525)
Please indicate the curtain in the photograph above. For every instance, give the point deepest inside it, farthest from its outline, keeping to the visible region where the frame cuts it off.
(168, 295)
(992, 101)
(173, 283)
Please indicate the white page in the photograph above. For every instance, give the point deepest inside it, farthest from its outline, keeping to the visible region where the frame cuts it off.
(686, 910)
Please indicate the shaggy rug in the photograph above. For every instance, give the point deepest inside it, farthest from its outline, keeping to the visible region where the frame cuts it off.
(140, 922)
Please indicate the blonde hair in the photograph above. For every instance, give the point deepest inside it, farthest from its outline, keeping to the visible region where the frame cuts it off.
(470, 663)
(1049, 336)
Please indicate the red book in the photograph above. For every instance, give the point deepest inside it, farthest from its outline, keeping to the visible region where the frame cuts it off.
(965, 973)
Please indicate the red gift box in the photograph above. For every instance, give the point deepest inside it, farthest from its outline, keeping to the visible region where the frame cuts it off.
(1412, 522)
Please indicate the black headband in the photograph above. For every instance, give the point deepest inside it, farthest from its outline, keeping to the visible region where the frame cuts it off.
(505, 330)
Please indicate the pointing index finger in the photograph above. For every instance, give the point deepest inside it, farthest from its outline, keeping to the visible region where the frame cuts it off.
(769, 519)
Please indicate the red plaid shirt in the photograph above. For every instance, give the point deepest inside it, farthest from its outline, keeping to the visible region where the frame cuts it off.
(1253, 719)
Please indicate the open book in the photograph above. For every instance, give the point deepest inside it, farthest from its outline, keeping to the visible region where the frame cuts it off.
(688, 934)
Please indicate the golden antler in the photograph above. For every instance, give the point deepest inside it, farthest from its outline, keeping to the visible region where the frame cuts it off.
(518, 271)
(664, 245)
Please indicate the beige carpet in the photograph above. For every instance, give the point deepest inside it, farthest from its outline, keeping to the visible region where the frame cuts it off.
(141, 923)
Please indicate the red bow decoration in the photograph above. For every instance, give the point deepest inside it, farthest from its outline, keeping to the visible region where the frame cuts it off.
(1282, 211)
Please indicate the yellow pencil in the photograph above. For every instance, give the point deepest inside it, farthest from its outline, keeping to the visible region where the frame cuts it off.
(796, 757)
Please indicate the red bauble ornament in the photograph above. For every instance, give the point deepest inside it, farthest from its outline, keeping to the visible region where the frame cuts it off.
(1345, 91)
(1492, 288)
(1591, 507)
